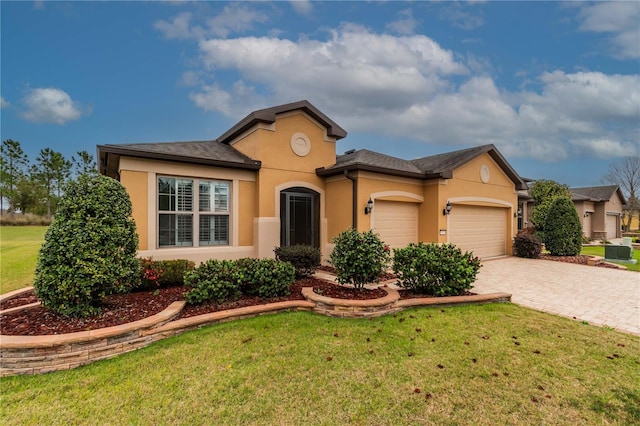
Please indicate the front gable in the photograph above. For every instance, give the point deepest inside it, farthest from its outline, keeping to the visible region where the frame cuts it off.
(483, 170)
(294, 141)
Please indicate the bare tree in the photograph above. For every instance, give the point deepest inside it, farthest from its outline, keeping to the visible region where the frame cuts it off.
(626, 174)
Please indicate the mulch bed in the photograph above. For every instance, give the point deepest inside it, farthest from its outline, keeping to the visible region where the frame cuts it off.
(124, 308)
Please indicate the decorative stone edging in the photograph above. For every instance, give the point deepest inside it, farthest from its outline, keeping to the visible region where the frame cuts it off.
(42, 354)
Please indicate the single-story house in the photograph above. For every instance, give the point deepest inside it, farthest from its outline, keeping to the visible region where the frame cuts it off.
(600, 210)
(274, 179)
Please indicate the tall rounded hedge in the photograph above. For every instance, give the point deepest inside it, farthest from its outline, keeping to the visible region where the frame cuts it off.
(562, 228)
(90, 248)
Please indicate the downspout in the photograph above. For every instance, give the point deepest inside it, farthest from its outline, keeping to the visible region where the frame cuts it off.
(354, 198)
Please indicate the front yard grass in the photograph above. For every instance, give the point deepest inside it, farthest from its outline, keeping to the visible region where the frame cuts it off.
(475, 365)
(19, 246)
(599, 251)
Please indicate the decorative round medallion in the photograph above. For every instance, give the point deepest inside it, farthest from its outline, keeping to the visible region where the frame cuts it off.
(484, 173)
(300, 144)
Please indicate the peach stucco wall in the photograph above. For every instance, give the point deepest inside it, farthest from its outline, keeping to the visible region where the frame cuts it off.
(137, 187)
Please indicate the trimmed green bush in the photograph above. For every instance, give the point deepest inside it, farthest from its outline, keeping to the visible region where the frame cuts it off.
(526, 244)
(438, 270)
(217, 280)
(304, 258)
(543, 192)
(223, 280)
(562, 228)
(90, 248)
(265, 277)
(359, 257)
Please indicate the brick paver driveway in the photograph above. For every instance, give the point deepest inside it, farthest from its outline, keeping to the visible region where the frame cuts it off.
(600, 296)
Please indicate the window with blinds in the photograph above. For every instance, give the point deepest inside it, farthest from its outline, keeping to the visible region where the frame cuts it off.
(178, 221)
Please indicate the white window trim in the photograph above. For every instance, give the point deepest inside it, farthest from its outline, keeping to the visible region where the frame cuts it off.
(155, 212)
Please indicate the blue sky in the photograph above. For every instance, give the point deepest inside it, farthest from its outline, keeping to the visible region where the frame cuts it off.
(555, 86)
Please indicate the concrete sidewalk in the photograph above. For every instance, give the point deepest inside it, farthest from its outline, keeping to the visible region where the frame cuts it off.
(598, 295)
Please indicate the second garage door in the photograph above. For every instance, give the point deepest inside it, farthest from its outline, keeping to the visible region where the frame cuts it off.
(481, 230)
(396, 222)
(611, 226)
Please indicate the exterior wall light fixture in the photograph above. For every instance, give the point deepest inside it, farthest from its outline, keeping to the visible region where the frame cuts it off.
(369, 207)
(447, 209)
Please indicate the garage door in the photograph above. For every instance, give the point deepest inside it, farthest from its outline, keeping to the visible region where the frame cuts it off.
(481, 230)
(611, 226)
(396, 222)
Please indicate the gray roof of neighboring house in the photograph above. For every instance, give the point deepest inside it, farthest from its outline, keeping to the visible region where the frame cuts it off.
(596, 193)
(268, 115)
(198, 152)
(435, 166)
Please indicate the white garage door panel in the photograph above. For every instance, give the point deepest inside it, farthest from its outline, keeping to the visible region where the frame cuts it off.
(611, 226)
(396, 222)
(481, 230)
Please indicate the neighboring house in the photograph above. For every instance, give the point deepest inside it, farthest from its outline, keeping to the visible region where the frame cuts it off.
(275, 179)
(600, 210)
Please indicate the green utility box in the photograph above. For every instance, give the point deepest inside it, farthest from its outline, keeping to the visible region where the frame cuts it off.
(612, 251)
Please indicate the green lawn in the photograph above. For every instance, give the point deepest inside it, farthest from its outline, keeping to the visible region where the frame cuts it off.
(473, 365)
(599, 251)
(19, 247)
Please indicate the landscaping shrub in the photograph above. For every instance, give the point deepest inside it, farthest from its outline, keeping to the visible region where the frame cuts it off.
(265, 277)
(304, 258)
(222, 280)
(544, 192)
(526, 244)
(438, 270)
(359, 257)
(156, 274)
(562, 228)
(90, 248)
(217, 280)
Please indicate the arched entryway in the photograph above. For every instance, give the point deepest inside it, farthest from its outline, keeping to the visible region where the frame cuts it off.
(299, 217)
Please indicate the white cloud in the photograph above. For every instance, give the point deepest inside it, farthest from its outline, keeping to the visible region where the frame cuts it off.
(235, 18)
(410, 87)
(179, 27)
(303, 7)
(460, 16)
(620, 19)
(404, 24)
(50, 105)
(4, 103)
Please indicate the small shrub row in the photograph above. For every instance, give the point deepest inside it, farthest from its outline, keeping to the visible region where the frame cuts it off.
(156, 274)
(433, 269)
(223, 280)
(304, 258)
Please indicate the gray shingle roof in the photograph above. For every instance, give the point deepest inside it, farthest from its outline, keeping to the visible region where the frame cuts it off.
(435, 166)
(198, 152)
(596, 193)
(268, 115)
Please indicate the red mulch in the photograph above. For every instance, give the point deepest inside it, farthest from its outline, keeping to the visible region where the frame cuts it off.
(124, 308)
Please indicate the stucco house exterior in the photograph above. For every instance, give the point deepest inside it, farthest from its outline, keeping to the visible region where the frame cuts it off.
(275, 179)
(600, 210)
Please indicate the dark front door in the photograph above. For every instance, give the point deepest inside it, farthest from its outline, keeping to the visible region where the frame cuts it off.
(299, 208)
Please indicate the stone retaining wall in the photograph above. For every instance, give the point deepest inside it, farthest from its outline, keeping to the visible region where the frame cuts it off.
(42, 354)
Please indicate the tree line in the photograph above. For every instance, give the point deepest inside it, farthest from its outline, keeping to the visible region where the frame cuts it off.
(37, 187)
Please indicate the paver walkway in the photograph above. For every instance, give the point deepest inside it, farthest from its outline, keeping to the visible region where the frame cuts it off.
(600, 296)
